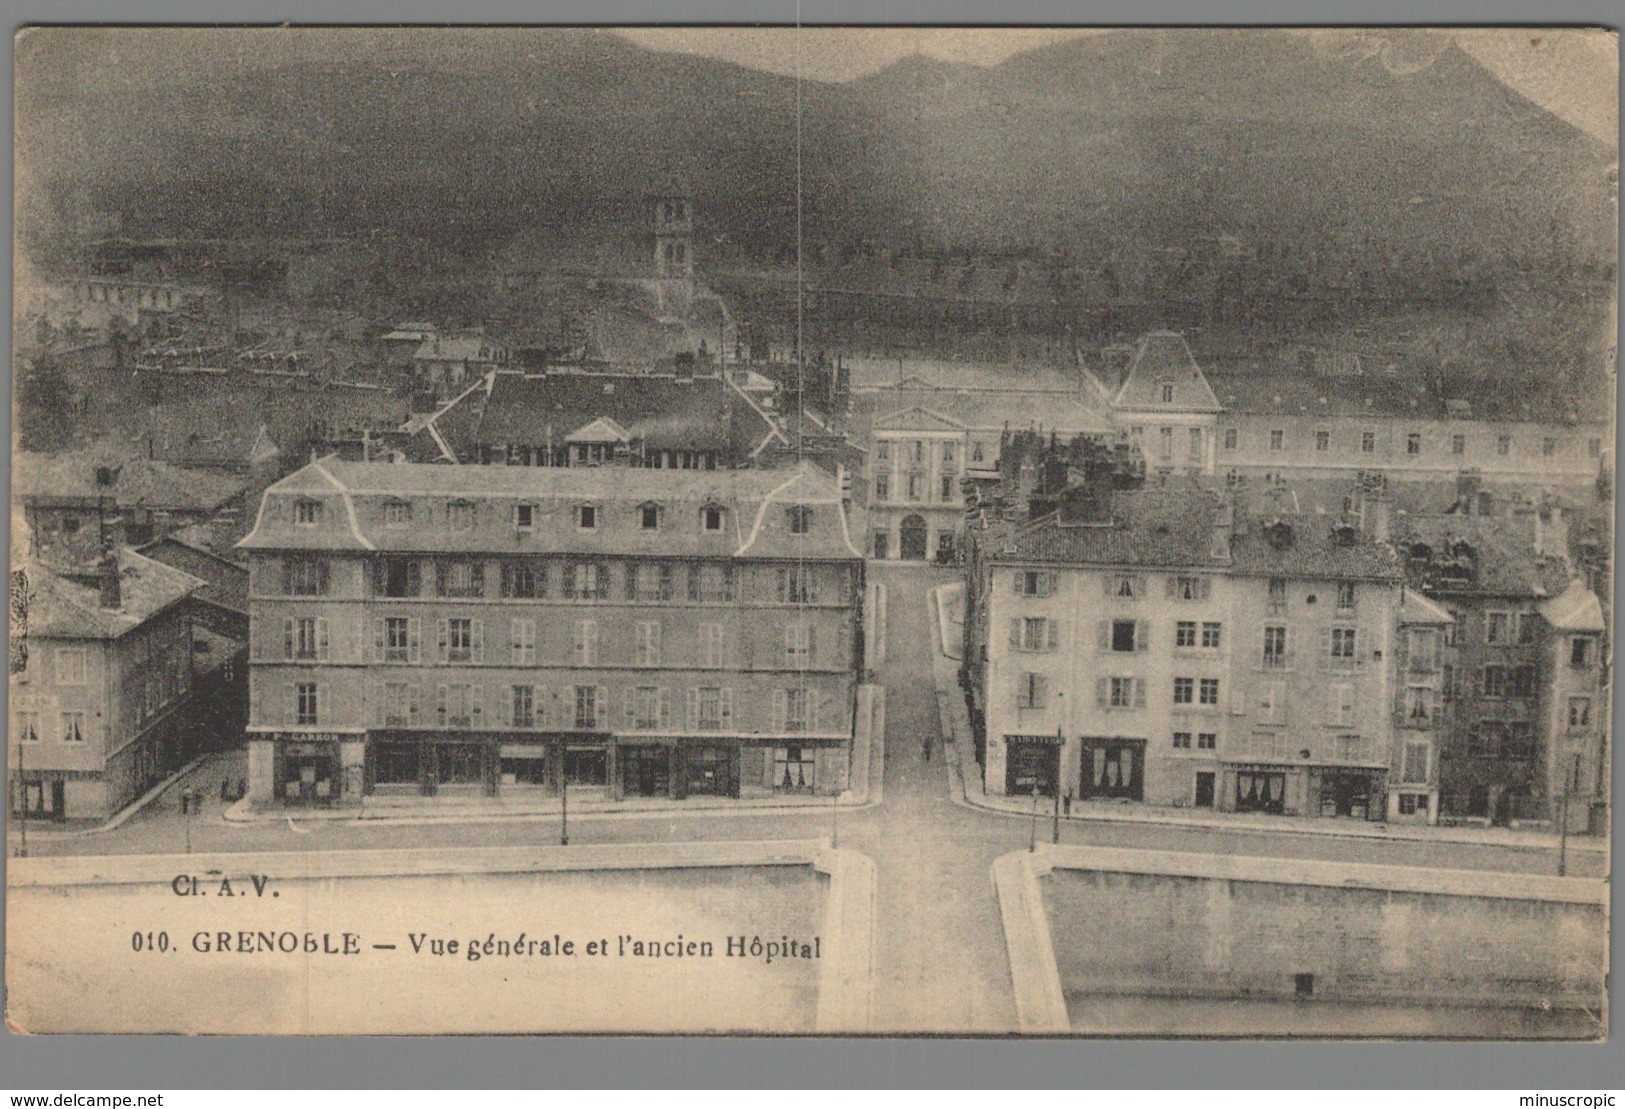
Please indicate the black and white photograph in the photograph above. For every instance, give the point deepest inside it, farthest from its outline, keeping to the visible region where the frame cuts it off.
(814, 531)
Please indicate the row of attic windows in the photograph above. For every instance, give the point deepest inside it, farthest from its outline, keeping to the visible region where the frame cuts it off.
(587, 515)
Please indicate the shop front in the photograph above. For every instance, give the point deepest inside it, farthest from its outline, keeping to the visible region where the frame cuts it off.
(40, 795)
(1303, 789)
(1111, 768)
(308, 771)
(1354, 792)
(433, 764)
(1032, 763)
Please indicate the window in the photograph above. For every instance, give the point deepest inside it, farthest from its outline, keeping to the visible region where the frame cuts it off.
(70, 666)
(524, 706)
(1323, 441)
(397, 514)
(460, 515)
(649, 517)
(305, 577)
(649, 581)
(1196, 444)
(1032, 692)
(460, 578)
(1166, 437)
(1185, 633)
(1212, 634)
(28, 727)
(915, 483)
(1035, 633)
(1458, 444)
(1123, 637)
(1522, 681)
(1503, 444)
(710, 583)
(1277, 439)
(708, 709)
(800, 517)
(1413, 443)
(976, 451)
(882, 487)
(1230, 438)
(711, 646)
(307, 638)
(1494, 683)
(73, 723)
(397, 577)
(397, 639)
(586, 643)
(524, 517)
(1579, 712)
(797, 585)
(1345, 596)
(307, 513)
(711, 517)
(797, 714)
(1496, 627)
(587, 706)
(1580, 652)
(1342, 647)
(1121, 693)
(1413, 804)
(883, 451)
(1518, 741)
(305, 705)
(948, 454)
(1189, 588)
(1207, 691)
(1271, 701)
(1352, 748)
(1207, 741)
(1167, 394)
(794, 769)
(1034, 583)
(645, 706)
(1182, 740)
(460, 639)
(523, 579)
(1423, 649)
(1184, 691)
(1414, 769)
(947, 487)
(1368, 442)
(1548, 447)
(798, 645)
(1277, 601)
(917, 451)
(523, 643)
(586, 517)
(1124, 587)
(586, 581)
(1419, 707)
(1528, 629)
(646, 643)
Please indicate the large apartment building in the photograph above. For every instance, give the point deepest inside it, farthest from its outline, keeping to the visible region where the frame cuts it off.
(1157, 645)
(500, 630)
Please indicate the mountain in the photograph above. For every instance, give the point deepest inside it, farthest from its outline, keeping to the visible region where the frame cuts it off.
(468, 135)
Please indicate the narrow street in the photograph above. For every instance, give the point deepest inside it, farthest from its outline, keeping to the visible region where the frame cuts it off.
(940, 956)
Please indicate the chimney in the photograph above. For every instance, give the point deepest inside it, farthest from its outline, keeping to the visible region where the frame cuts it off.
(1378, 517)
(1224, 522)
(1551, 532)
(107, 580)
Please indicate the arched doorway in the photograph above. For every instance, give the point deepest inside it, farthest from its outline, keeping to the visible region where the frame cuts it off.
(911, 538)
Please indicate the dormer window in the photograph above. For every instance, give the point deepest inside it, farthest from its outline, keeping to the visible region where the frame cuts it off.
(711, 517)
(307, 513)
(460, 515)
(1167, 393)
(800, 519)
(397, 514)
(587, 517)
(649, 516)
(524, 517)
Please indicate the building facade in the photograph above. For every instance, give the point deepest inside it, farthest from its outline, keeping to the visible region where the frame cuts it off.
(100, 709)
(502, 630)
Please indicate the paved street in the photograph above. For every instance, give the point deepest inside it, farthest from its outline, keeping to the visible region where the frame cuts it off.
(940, 945)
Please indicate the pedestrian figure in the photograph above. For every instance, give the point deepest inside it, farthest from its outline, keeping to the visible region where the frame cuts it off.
(925, 749)
(1066, 803)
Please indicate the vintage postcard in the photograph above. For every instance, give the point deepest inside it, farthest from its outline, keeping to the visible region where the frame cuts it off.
(1096, 532)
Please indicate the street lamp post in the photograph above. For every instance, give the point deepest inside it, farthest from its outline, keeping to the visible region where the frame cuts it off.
(564, 803)
(1032, 836)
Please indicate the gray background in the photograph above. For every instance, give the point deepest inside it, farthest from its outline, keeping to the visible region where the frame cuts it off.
(135, 1064)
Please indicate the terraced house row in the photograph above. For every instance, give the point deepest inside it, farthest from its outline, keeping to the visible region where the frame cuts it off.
(449, 630)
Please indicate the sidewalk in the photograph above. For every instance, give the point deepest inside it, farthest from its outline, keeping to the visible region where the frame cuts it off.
(966, 782)
(124, 814)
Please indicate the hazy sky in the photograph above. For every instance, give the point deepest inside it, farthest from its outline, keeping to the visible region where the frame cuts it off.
(1573, 73)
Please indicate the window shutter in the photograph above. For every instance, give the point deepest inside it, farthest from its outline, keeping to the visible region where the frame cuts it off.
(445, 632)
(812, 576)
(290, 703)
(538, 705)
(477, 643)
(1171, 587)
(1103, 634)
(1048, 581)
(505, 584)
(1204, 589)
(440, 579)
(600, 708)
(476, 704)
(726, 698)
(323, 576)
(477, 579)
(1015, 633)
(631, 580)
(1016, 582)
(322, 717)
(569, 586)
(414, 579)
(665, 706)
(665, 581)
(1334, 704)
(1139, 693)
(440, 706)
(324, 648)
(287, 638)
(1102, 690)
(414, 638)
(581, 642)
(358, 643)
(1142, 635)
(691, 710)
(1106, 583)
(780, 710)
(1040, 691)
(1326, 646)
(1053, 634)
(629, 698)
(812, 645)
(783, 576)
